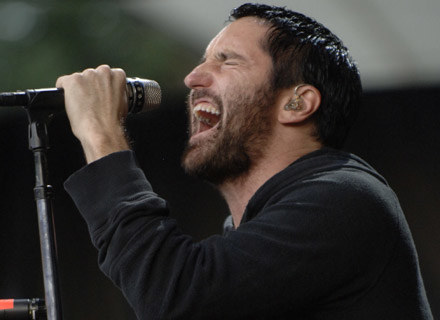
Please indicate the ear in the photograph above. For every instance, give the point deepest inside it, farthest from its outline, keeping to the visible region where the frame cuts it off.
(299, 104)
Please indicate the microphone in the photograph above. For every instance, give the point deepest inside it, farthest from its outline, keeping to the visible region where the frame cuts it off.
(142, 94)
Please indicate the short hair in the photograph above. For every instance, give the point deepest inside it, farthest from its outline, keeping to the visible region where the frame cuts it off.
(304, 51)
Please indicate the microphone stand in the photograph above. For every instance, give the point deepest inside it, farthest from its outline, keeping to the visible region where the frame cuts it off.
(39, 117)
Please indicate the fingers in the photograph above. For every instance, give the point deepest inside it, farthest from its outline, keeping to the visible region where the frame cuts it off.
(103, 75)
(96, 103)
(103, 84)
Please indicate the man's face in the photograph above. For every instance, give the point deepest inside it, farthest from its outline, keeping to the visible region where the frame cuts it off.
(230, 104)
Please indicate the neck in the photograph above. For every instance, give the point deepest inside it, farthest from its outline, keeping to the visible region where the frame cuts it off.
(239, 191)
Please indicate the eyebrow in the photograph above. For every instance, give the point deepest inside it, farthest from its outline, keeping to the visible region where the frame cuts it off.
(229, 55)
(224, 55)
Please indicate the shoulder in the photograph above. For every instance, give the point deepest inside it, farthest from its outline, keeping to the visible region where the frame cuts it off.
(330, 189)
(326, 176)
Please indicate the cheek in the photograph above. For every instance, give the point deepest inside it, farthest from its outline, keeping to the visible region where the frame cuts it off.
(235, 92)
(241, 95)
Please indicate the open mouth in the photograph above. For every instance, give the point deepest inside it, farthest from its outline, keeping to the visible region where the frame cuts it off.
(207, 114)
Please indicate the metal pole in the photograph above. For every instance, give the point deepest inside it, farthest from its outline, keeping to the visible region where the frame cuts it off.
(38, 144)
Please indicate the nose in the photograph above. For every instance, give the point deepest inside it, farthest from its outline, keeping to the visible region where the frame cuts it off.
(199, 77)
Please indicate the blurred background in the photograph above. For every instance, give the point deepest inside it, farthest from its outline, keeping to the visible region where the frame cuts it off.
(395, 43)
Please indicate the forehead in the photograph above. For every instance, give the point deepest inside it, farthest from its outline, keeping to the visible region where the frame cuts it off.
(244, 35)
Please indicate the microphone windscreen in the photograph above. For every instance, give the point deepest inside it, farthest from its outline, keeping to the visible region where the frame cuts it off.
(143, 95)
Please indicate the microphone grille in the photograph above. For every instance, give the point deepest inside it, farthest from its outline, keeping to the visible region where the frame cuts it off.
(143, 95)
(153, 94)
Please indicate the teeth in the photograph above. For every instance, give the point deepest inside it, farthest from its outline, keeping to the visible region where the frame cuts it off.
(201, 109)
(206, 108)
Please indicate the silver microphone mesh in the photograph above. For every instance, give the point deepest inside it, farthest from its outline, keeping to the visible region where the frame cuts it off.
(143, 95)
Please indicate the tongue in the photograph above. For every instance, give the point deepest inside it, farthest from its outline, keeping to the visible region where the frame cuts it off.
(208, 118)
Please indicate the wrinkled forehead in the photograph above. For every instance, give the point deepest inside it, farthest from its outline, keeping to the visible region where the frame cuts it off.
(247, 31)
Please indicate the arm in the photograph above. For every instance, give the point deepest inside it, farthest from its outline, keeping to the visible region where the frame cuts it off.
(293, 256)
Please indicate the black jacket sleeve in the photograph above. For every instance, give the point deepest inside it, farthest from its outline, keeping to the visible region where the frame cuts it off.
(295, 255)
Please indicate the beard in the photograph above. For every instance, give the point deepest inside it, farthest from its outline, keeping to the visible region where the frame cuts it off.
(239, 140)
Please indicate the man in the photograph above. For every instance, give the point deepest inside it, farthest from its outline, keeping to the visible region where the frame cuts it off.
(316, 233)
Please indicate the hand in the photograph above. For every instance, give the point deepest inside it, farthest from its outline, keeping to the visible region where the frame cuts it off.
(96, 104)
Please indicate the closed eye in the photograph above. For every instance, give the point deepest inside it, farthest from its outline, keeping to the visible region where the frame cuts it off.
(230, 57)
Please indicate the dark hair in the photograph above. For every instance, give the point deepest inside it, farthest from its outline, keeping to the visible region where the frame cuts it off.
(304, 51)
